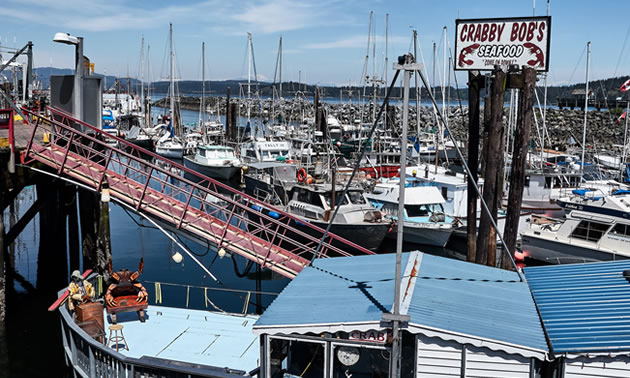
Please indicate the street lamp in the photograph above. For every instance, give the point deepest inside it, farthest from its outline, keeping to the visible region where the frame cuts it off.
(68, 39)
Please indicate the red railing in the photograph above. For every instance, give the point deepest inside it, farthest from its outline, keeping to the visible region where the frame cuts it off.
(186, 200)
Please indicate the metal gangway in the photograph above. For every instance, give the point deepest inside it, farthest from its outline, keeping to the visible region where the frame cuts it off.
(185, 201)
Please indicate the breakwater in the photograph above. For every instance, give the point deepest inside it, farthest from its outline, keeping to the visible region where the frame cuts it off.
(563, 127)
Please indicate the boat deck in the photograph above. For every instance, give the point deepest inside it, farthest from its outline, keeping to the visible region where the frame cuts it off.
(194, 336)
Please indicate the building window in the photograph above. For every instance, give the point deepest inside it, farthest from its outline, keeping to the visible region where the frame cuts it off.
(357, 361)
(298, 358)
(590, 231)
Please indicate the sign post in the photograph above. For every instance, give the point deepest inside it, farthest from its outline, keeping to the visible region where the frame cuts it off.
(520, 47)
(482, 44)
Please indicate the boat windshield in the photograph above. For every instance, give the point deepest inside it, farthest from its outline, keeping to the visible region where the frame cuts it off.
(356, 197)
(423, 210)
(338, 201)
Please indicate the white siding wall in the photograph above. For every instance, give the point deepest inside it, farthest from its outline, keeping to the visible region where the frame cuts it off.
(439, 358)
(484, 363)
(604, 367)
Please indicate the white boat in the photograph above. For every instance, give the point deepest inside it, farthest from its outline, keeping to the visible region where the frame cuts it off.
(169, 147)
(424, 219)
(597, 228)
(263, 150)
(214, 161)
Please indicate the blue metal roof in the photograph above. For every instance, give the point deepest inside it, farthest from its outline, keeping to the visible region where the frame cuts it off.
(476, 300)
(328, 292)
(449, 295)
(584, 307)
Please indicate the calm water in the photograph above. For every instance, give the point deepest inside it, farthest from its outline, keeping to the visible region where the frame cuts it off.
(33, 331)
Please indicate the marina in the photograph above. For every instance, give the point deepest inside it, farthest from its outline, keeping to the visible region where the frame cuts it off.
(461, 217)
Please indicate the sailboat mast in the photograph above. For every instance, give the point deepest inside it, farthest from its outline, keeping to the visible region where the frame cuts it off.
(588, 59)
(147, 115)
(280, 73)
(203, 85)
(172, 76)
(142, 76)
(249, 75)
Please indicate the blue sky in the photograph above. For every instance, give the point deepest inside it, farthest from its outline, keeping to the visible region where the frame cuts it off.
(326, 40)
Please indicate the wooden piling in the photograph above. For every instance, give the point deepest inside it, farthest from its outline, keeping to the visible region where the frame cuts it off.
(103, 238)
(519, 160)
(74, 241)
(88, 221)
(486, 239)
(475, 81)
(3, 308)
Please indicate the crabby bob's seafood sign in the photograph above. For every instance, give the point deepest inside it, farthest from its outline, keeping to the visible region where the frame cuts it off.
(481, 44)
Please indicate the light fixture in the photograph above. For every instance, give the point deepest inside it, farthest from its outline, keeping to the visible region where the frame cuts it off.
(66, 38)
(177, 257)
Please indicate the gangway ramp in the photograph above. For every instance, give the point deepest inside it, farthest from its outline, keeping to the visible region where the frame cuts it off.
(183, 199)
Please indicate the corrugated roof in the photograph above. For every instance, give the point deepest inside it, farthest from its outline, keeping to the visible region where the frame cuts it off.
(329, 292)
(476, 300)
(584, 307)
(456, 297)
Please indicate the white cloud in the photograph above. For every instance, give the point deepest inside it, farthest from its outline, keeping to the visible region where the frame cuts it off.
(357, 41)
(271, 16)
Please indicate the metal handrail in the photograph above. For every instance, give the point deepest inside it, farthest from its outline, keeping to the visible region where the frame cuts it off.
(209, 180)
(95, 151)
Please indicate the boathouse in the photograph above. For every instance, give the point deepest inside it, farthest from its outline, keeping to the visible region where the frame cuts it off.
(465, 320)
(585, 309)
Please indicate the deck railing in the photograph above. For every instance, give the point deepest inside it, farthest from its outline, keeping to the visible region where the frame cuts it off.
(91, 359)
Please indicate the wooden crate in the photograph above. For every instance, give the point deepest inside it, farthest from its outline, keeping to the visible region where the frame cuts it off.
(90, 311)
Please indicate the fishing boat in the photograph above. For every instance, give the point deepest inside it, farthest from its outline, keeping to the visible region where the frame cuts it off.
(596, 228)
(424, 219)
(214, 161)
(356, 220)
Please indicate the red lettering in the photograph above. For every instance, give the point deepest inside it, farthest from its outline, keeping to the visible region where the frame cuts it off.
(471, 31)
(541, 31)
(484, 32)
(514, 33)
(381, 336)
(477, 33)
(500, 28)
(462, 36)
(530, 31)
(493, 32)
(522, 31)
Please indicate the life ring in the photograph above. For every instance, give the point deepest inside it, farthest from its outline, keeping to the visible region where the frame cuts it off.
(301, 174)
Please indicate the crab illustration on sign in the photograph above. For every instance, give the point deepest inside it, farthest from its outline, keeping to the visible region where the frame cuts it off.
(537, 52)
(465, 52)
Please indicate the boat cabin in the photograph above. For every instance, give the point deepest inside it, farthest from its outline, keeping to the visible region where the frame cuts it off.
(265, 151)
(317, 201)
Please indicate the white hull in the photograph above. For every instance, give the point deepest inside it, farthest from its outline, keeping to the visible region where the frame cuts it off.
(170, 153)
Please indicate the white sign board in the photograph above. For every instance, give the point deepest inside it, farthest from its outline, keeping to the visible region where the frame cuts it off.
(481, 44)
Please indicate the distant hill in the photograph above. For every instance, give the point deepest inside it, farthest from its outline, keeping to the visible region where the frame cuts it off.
(601, 88)
(44, 74)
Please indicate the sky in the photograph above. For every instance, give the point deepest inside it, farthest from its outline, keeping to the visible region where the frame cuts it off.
(324, 40)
